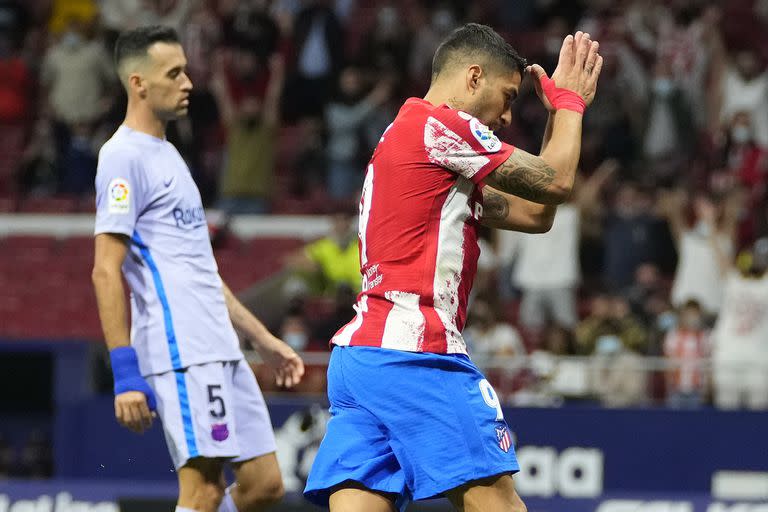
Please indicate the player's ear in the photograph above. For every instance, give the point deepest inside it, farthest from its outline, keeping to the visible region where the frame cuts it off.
(136, 84)
(474, 73)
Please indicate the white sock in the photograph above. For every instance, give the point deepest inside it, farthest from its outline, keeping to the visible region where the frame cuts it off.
(227, 504)
(183, 509)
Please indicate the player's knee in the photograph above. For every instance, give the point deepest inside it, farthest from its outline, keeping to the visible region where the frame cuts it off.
(267, 491)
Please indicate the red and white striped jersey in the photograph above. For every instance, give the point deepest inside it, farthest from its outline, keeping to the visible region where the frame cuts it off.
(419, 217)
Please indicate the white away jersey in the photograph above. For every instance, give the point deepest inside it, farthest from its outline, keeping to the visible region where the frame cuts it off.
(145, 191)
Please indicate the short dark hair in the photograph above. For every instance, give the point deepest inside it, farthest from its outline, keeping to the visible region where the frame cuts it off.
(476, 39)
(136, 42)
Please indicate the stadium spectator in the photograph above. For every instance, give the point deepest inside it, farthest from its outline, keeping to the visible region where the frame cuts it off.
(345, 119)
(318, 39)
(77, 77)
(630, 235)
(687, 348)
(697, 276)
(426, 40)
(309, 166)
(740, 337)
(619, 378)
(489, 337)
(37, 167)
(743, 88)
(252, 124)
(547, 266)
(556, 375)
(333, 260)
(250, 25)
(610, 319)
(645, 291)
(387, 46)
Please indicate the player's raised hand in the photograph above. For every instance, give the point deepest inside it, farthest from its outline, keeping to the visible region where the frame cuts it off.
(284, 361)
(132, 411)
(578, 69)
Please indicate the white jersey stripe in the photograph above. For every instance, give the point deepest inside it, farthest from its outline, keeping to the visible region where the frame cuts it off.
(405, 325)
(344, 337)
(365, 213)
(450, 260)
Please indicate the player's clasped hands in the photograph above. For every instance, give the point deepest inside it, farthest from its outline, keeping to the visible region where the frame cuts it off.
(132, 411)
(578, 68)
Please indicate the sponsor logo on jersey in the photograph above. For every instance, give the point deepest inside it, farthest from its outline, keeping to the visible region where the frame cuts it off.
(189, 217)
(503, 437)
(484, 135)
(119, 196)
(219, 431)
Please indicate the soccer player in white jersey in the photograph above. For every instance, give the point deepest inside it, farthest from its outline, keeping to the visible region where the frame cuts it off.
(180, 353)
(411, 416)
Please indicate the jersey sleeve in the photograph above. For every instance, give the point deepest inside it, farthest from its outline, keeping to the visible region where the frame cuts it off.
(462, 144)
(120, 192)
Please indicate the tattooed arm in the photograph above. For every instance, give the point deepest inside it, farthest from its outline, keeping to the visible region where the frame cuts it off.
(505, 211)
(547, 178)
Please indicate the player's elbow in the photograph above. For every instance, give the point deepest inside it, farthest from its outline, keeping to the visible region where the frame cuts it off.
(558, 193)
(103, 274)
(538, 224)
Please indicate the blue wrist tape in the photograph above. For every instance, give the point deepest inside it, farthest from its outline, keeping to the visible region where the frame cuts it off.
(125, 368)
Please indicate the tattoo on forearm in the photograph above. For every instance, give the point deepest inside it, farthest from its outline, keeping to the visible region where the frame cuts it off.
(524, 175)
(495, 206)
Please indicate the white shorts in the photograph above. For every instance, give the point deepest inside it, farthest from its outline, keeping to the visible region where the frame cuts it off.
(213, 410)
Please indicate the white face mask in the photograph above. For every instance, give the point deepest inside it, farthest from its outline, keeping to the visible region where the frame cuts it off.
(296, 340)
(741, 134)
(663, 86)
(71, 39)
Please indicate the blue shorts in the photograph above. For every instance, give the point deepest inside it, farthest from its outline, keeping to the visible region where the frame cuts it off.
(412, 424)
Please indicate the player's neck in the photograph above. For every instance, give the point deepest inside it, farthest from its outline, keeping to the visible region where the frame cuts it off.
(440, 93)
(145, 121)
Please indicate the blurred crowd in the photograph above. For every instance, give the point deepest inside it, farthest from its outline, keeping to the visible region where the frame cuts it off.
(661, 251)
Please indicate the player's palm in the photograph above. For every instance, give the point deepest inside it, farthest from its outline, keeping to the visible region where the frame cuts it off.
(578, 66)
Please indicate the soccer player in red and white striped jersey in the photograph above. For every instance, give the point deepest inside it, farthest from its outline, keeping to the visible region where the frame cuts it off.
(412, 418)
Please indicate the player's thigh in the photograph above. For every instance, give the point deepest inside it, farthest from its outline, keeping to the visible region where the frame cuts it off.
(195, 408)
(255, 436)
(495, 493)
(354, 497)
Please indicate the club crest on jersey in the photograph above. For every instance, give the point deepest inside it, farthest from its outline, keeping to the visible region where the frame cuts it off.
(119, 195)
(484, 135)
(219, 431)
(503, 437)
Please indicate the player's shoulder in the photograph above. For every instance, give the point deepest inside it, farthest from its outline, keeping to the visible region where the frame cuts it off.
(120, 146)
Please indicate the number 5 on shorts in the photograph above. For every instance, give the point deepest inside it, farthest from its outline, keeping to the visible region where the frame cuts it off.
(491, 398)
(214, 398)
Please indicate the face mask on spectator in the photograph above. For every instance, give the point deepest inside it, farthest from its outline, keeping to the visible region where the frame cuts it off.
(71, 39)
(295, 340)
(607, 345)
(663, 86)
(741, 134)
